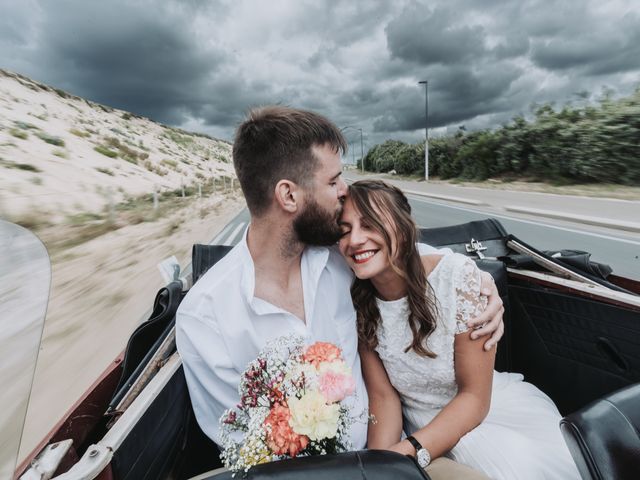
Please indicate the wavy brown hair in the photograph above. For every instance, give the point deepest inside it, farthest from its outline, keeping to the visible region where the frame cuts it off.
(382, 204)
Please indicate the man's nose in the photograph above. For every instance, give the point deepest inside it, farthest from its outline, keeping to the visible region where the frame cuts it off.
(342, 189)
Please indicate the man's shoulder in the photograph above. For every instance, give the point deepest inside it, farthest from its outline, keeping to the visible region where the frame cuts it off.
(223, 277)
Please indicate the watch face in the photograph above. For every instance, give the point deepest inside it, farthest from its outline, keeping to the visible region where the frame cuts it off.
(423, 457)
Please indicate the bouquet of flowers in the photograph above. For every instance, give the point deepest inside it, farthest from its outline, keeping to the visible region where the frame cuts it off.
(290, 405)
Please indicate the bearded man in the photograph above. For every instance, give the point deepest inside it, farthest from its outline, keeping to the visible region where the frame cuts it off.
(285, 276)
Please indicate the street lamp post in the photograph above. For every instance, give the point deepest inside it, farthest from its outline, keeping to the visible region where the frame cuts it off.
(361, 151)
(426, 128)
(361, 144)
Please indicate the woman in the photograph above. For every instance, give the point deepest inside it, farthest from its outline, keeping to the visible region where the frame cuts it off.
(418, 359)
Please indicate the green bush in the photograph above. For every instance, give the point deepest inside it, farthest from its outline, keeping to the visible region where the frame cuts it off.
(598, 143)
(105, 151)
(57, 141)
(79, 133)
(410, 159)
(25, 125)
(18, 133)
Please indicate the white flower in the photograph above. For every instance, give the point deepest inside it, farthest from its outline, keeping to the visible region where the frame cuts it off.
(311, 416)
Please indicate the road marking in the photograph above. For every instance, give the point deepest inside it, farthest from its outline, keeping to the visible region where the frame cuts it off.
(597, 221)
(492, 214)
(233, 234)
(216, 240)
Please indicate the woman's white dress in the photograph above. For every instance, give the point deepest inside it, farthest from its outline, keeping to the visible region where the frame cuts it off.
(520, 437)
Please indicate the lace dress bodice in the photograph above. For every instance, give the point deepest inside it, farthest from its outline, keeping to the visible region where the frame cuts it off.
(426, 384)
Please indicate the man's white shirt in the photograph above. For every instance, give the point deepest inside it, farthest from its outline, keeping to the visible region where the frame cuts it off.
(221, 327)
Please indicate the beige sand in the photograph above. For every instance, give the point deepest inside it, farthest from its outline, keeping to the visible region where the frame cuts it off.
(101, 290)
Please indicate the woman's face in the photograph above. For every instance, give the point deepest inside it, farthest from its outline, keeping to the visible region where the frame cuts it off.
(361, 245)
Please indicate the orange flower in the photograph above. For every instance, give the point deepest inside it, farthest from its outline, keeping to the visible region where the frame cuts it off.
(281, 439)
(322, 352)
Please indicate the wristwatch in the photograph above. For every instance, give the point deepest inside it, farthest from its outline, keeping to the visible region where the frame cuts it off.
(422, 454)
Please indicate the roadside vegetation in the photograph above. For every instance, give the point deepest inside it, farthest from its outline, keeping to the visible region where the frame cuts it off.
(576, 144)
(82, 227)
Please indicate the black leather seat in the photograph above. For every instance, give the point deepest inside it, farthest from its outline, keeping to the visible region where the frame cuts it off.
(360, 465)
(604, 436)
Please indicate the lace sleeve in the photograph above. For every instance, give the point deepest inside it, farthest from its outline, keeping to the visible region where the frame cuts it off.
(469, 302)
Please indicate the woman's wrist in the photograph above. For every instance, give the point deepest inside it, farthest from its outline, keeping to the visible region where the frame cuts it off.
(403, 447)
(406, 448)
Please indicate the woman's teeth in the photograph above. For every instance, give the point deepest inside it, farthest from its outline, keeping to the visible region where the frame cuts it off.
(363, 257)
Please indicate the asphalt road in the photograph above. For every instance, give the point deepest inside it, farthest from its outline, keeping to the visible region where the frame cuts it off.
(621, 250)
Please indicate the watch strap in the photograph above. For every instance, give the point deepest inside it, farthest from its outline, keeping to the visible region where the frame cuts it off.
(416, 444)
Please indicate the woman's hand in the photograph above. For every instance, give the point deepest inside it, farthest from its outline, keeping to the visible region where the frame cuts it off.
(490, 321)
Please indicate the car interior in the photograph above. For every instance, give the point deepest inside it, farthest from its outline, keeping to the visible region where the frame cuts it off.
(582, 349)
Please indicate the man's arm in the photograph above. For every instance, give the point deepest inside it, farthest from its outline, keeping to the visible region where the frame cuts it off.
(211, 377)
(490, 322)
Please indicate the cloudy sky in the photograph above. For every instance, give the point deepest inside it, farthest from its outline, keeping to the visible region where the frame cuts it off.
(200, 65)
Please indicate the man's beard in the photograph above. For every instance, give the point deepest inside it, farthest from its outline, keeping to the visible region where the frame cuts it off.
(316, 226)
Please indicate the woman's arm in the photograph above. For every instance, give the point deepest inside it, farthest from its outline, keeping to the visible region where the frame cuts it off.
(474, 373)
(474, 376)
(384, 402)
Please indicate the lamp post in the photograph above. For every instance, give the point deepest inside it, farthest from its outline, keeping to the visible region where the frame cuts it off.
(426, 128)
(361, 143)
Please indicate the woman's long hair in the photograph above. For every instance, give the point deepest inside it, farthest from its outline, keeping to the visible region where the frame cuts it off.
(378, 202)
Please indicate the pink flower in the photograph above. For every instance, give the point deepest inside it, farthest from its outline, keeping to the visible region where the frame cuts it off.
(231, 418)
(336, 386)
(281, 439)
(321, 352)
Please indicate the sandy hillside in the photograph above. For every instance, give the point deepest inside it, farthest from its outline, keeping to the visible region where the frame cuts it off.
(61, 154)
(82, 177)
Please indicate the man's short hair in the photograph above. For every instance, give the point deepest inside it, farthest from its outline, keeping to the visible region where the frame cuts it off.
(274, 143)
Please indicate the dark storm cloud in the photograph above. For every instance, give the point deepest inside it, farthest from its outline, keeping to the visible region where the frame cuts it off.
(429, 37)
(455, 95)
(515, 46)
(204, 64)
(616, 49)
(125, 56)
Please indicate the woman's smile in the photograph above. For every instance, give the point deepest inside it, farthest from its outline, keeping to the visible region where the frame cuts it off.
(363, 256)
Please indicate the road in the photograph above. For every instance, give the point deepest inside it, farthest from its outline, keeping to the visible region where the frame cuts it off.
(619, 249)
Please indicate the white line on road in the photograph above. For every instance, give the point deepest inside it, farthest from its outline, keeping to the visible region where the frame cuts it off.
(232, 236)
(216, 241)
(492, 214)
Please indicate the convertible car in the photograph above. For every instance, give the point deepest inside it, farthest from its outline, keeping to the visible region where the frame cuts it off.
(572, 329)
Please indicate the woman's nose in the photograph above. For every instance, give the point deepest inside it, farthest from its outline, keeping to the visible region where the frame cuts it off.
(356, 237)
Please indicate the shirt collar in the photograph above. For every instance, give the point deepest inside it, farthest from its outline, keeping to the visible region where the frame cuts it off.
(314, 261)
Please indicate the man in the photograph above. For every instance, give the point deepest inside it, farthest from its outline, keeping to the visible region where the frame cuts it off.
(283, 276)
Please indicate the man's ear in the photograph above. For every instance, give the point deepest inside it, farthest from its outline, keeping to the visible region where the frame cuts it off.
(288, 195)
